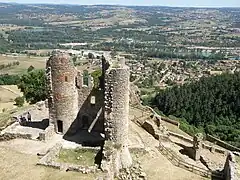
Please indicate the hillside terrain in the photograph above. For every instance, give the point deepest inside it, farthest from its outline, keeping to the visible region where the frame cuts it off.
(183, 62)
(211, 104)
(156, 32)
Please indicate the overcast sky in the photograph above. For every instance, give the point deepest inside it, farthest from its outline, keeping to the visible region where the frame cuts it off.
(201, 3)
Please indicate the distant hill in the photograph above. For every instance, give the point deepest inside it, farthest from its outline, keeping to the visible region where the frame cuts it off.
(212, 104)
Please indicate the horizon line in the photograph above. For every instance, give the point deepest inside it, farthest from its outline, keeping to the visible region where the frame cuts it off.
(112, 4)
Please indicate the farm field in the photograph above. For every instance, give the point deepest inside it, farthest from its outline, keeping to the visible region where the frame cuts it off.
(7, 95)
(25, 62)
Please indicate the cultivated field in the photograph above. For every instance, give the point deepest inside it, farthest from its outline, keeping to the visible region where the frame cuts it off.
(25, 62)
(7, 95)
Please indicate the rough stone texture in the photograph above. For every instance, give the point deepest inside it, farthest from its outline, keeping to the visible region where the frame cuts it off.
(9, 136)
(85, 93)
(197, 146)
(134, 172)
(71, 101)
(184, 138)
(151, 128)
(64, 92)
(230, 169)
(49, 161)
(222, 143)
(47, 134)
(117, 114)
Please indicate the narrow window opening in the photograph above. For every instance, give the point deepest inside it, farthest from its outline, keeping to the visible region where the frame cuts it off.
(66, 79)
(76, 82)
(60, 126)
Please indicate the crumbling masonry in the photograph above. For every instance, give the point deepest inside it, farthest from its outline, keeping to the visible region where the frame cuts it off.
(75, 104)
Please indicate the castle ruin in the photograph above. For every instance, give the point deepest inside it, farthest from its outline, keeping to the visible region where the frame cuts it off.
(77, 105)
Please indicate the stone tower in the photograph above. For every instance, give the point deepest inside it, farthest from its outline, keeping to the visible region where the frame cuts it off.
(117, 89)
(77, 106)
(197, 146)
(63, 103)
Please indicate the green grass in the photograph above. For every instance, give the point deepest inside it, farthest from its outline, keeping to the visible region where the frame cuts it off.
(78, 156)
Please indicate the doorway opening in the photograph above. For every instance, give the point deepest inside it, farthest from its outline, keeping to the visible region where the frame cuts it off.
(60, 126)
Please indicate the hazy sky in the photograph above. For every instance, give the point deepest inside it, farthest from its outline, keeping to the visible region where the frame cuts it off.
(204, 3)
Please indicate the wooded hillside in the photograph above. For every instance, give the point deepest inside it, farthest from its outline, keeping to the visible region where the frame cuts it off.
(212, 104)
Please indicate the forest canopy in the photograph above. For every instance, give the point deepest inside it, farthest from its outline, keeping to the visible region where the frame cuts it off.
(212, 104)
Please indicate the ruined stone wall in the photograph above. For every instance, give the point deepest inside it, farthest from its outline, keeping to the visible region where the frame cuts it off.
(49, 160)
(117, 86)
(50, 103)
(90, 101)
(230, 170)
(63, 76)
(10, 136)
(222, 143)
(47, 134)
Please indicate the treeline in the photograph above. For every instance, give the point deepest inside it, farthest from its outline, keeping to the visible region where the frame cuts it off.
(191, 55)
(3, 66)
(211, 104)
(7, 79)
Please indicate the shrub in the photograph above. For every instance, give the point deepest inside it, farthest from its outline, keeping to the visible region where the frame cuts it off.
(19, 101)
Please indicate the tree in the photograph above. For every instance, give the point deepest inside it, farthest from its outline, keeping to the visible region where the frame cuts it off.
(19, 101)
(30, 68)
(97, 74)
(212, 104)
(33, 86)
(90, 56)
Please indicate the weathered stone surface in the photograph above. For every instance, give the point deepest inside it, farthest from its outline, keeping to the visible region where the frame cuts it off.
(197, 146)
(71, 105)
(230, 168)
(9, 136)
(47, 134)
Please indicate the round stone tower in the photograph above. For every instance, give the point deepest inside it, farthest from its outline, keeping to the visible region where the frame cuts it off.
(64, 92)
(117, 114)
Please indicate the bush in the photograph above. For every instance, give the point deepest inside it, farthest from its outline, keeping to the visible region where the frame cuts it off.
(19, 101)
(31, 68)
